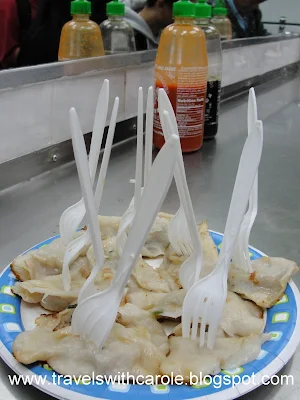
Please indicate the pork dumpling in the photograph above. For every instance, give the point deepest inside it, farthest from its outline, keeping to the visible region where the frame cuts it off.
(45, 261)
(241, 317)
(48, 260)
(149, 278)
(111, 256)
(108, 226)
(170, 306)
(186, 357)
(169, 271)
(50, 293)
(158, 239)
(267, 284)
(144, 299)
(210, 251)
(131, 316)
(55, 321)
(127, 350)
(172, 262)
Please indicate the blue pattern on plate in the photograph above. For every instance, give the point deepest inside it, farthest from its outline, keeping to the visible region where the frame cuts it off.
(281, 320)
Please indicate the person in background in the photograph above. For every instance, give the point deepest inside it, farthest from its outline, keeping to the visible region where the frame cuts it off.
(246, 18)
(136, 5)
(39, 42)
(15, 19)
(148, 23)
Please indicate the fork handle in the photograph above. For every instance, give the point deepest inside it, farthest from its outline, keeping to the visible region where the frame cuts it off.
(154, 192)
(247, 171)
(98, 128)
(182, 187)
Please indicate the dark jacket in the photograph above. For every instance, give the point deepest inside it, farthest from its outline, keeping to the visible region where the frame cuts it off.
(255, 27)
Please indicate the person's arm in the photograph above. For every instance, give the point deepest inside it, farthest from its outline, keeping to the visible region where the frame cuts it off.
(9, 33)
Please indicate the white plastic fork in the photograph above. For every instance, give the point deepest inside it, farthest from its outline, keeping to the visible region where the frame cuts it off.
(75, 247)
(73, 215)
(95, 316)
(178, 230)
(128, 216)
(190, 270)
(241, 257)
(86, 188)
(206, 298)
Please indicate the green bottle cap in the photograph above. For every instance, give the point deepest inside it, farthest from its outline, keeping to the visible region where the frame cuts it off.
(184, 8)
(115, 8)
(203, 10)
(220, 8)
(80, 7)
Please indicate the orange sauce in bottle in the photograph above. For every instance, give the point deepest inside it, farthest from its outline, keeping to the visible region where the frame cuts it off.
(181, 69)
(80, 37)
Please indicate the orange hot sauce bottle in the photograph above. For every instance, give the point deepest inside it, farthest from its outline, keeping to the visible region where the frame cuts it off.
(80, 37)
(181, 69)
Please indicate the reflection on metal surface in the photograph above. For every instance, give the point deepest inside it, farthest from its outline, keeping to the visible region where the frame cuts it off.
(232, 44)
(46, 72)
(26, 167)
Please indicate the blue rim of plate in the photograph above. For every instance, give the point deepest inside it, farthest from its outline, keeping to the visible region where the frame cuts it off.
(281, 321)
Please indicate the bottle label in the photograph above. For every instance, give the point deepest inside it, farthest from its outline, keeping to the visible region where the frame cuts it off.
(213, 96)
(186, 89)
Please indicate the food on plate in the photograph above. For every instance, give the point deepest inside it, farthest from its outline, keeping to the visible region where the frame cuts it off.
(241, 318)
(266, 284)
(45, 261)
(48, 260)
(138, 343)
(186, 357)
(157, 240)
(50, 293)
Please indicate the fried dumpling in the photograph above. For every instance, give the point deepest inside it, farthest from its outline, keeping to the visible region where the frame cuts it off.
(131, 316)
(45, 261)
(158, 239)
(170, 306)
(55, 321)
(108, 226)
(172, 262)
(186, 357)
(48, 260)
(149, 278)
(241, 317)
(210, 251)
(144, 299)
(129, 350)
(267, 284)
(49, 292)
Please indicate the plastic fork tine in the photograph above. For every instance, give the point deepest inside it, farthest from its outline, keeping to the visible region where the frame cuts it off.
(85, 182)
(148, 134)
(99, 126)
(139, 151)
(107, 152)
(73, 215)
(89, 288)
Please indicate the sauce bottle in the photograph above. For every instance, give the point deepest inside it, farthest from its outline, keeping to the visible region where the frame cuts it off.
(80, 37)
(221, 22)
(118, 36)
(181, 69)
(214, 53)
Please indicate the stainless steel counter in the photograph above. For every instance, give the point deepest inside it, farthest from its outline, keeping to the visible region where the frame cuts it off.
(30, 211)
